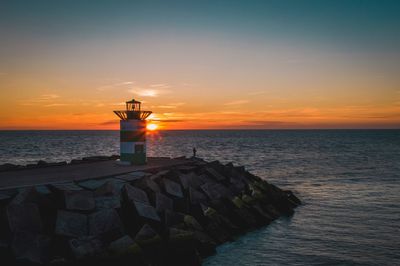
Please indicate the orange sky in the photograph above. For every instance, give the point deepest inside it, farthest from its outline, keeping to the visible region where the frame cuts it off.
(210, 70)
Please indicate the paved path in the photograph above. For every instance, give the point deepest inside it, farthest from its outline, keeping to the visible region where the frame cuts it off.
(57, 174)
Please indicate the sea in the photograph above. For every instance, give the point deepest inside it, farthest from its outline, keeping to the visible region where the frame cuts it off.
(348, 180)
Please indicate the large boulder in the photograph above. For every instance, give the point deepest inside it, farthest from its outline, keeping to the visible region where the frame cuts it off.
(86, 247)
(105, 224)
(24, 217)
(71, 224)
(181, 249)
(133, 194)
(152, 245)
(190, 180)
(172, 188)
(81, 200)
(31, 247)
(163, 203)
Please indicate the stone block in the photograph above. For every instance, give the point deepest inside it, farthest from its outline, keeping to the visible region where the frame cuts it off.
(135, 194)
(173, 219)
(112, 187)
(71, 224)
(85, 247)
(68, 186)
(190, 180)
(92, 184)
(82, 200)
(26, 195)
(173, 188)
(107, 202)
(163, 203)
(24, 217)
(146, 211)
(216, 191)
(105, 223)
(133, 176)
(196, 196)
(214, 174)
(124, 246)
(153, 186)
(147, 237)
(30, 247)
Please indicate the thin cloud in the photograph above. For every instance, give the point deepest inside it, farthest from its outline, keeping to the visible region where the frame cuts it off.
(160, 86)
(42, 99)
(238, 102)
(114, 85)
(148, 92)
(255, 93)
(56, 104)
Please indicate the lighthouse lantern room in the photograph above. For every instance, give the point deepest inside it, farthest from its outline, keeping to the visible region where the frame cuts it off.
(133, 133)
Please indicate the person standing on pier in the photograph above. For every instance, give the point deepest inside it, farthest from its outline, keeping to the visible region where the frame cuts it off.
(194, 152)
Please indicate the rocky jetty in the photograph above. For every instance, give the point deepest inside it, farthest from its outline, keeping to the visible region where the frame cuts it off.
(175, 216)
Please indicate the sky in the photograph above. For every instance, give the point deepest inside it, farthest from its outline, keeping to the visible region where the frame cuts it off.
(201, 64)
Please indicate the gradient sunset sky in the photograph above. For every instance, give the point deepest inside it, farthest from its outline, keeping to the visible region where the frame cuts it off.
(200, 64)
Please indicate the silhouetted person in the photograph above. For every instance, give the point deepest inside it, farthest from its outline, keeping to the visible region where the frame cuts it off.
(194, 152)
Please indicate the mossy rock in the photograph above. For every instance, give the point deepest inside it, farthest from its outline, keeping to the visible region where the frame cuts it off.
(192, 223)
(238, 202)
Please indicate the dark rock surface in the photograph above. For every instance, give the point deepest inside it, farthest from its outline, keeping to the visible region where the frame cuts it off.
(171, 217)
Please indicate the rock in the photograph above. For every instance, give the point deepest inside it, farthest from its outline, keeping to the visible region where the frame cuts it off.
(31, 247)
(186, 168)
(24, 217)
(8, 167)
(197, 197)
(214, 174)
(85, 247)
(95, 158)
(26, 195)
(124, 246)
(135, 194)
(192, 223)
(107, 202)
(146, 211)
(204, 244)
(173, 219)
(181, 248)
(151, 243)
(132, 176)
(153, 186)
(93, 184)
(113, 187)
(43, 190)
(41, 163)
(190, 180)
(215, 191)
(68, 186)
(71, 224)
(173, 188)
(105, 224)
(79, 200)
(163, 203)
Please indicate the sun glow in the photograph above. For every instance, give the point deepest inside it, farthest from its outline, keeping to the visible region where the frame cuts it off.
(152, 127)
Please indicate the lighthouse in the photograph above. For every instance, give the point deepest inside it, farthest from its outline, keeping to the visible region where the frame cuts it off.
(133, 133)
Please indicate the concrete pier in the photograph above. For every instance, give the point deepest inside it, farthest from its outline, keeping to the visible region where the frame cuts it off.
(75, 172)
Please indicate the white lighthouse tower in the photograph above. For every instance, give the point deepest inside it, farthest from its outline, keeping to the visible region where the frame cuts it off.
(133, 133)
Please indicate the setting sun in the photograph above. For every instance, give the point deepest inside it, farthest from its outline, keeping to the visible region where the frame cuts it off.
(152, 127)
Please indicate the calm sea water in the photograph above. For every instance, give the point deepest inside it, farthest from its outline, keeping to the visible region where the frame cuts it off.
(349, 181)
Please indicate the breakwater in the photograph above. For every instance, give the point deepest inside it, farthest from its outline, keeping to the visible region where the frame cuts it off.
(171, 216)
